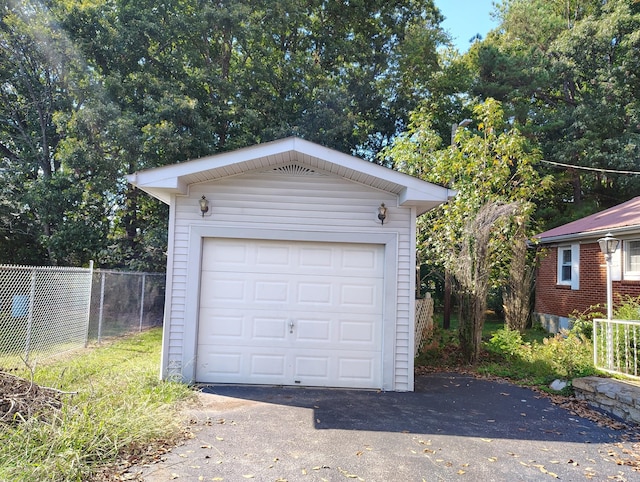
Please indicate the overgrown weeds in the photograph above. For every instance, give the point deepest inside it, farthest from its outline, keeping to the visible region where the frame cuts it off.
(118, 403)
(534, 357)
(566, 355)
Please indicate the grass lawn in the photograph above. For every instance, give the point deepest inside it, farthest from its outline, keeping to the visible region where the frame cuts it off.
(116, 403)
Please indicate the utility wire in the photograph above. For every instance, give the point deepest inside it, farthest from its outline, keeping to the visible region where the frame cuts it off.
(598, 169)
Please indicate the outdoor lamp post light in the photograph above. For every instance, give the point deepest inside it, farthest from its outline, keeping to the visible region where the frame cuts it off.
(204, 205)
(382, 213)
(608, 246)
(455, 127)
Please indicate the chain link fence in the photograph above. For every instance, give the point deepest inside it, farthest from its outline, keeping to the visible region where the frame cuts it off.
(43, 311)
(46, 311)
(124, 302)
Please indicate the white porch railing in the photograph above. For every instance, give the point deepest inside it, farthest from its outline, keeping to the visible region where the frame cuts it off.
(616, 346)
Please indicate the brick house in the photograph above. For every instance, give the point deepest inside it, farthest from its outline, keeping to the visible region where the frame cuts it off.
(572, 273)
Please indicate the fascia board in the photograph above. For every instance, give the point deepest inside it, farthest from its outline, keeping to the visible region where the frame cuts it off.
(163, 189)
(589, 236)
(157, 175)
(170, 178)
(425, 200)
(410, 183)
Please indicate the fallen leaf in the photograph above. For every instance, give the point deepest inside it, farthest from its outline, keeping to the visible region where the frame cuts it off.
(487, 440)
(248, 476)
(174, 476)
(347, 474)
(505, 394)
(460, 472)
(206, 446)
(220, 439)
(493, 459)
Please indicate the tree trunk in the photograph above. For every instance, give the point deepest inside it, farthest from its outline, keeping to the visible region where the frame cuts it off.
(471, 312)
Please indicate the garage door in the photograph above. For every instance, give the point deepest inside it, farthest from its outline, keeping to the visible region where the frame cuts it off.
(290, 313)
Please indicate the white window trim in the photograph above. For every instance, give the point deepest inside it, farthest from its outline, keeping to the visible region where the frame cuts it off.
(575, 266)
(629, 275)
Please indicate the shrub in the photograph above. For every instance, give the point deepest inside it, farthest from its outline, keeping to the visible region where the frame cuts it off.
(582, 321)
(628, 309)
(566, 355)
(506, 342)
(569, 354)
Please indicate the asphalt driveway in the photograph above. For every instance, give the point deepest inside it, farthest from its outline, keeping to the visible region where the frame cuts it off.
(453, 427)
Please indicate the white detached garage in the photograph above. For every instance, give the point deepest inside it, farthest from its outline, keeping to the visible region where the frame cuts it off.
(281, 272)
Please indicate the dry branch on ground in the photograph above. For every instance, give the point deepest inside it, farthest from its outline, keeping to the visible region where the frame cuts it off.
(22, 399)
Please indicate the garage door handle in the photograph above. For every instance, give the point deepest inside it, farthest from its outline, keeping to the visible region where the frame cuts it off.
(291, 326)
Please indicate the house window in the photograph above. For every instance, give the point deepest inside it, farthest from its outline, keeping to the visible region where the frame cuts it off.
(632, 259)
(568, 265)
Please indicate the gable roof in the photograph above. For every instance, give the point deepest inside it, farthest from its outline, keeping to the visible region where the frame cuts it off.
(620, 218)
(166, 181)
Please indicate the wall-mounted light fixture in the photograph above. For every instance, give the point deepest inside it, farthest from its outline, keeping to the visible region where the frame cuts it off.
(204, 205)
(382, 213)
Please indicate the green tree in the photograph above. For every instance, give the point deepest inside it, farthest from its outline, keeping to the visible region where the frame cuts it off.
(187, 78)
(48, 215)
(493, 172)
(568, 72)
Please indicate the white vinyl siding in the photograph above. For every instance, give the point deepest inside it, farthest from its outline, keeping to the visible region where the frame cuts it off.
(293, 205)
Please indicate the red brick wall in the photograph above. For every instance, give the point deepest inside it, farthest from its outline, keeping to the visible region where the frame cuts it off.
(560, 300)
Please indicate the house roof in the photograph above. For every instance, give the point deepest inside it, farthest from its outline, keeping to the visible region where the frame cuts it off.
(166, 181)
(618, 219)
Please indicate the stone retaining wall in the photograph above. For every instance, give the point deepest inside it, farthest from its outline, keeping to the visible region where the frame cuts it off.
(620, 398)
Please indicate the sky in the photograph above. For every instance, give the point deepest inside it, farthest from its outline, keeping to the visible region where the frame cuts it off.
(465, 18)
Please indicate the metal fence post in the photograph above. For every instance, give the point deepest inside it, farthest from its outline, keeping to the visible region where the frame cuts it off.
(32, 295)
(144, 279)
(101, 309)
(88, 318)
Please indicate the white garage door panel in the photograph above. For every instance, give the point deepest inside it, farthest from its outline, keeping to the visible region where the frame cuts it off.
(303, 313)
(285, 291)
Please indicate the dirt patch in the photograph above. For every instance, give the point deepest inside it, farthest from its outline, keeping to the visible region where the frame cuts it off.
(22, 399)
